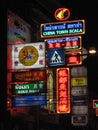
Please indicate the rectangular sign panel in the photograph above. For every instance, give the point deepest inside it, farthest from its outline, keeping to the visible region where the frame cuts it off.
(19, 31)
(56, 57)
(79, 81)
(27, 56)
(78, 91)
(23, 101)
(31, 88)
(73, 58)
(28, 76)
(80, 109)
(66, 28)
(79, 120)
(65, 42)
(63, 90)
(79, 71)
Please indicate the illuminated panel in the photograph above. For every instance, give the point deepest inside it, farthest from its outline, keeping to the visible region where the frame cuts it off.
(23, 101)
(95, 103)
(79, 81)
(96, 112)
(27, 56)
(67, 28)
(62, 14)
(28, 76)
(56, 57)
(73, 58)
(31, 88)
(66, 43)
(63, 90)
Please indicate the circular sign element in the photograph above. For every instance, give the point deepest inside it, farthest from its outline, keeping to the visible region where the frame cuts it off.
(62, 14)
(28, 55)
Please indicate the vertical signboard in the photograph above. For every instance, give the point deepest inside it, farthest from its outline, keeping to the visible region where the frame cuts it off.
(63, 90)
(79, 96)
(18, 30)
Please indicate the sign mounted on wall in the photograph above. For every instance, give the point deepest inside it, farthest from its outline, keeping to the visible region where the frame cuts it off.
(63, 90)
(66, 28)
(31, 55)
(62, 14)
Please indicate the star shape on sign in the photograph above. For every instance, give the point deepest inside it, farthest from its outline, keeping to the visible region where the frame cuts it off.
(29, 56)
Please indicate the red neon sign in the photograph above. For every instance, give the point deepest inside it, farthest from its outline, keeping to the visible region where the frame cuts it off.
(74, 58)
(63, 90)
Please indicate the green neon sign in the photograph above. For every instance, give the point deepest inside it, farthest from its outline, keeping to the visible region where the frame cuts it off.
(37, 87)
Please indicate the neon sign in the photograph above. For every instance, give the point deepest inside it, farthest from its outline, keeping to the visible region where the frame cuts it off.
(66, 43)
(67, 28)
(28, 76)
(73, 58)
(63, 90)
(62, 14)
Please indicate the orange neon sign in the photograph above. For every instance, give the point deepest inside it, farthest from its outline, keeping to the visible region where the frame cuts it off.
(63, 90)
(62, 14)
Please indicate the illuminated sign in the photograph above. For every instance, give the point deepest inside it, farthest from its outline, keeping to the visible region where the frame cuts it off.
(78, 81)
(73, 58)
(28, 76)
(62, 14)
(31, 88)
(66, 43)
(28, 56)
(63, 90)
(56, 57)
(95, 103)
(66, 28)
(23, 101)
(96, 112)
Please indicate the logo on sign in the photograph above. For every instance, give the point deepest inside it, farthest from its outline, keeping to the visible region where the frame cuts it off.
(62, 14)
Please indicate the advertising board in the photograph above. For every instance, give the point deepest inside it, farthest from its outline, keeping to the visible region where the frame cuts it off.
(27, 56)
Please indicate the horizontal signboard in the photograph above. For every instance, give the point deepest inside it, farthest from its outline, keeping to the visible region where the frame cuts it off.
(80, 109)
(79, 100)
(79, 91)
(78, 81)
(27, 56)
(79, 120)
(31, 88)
(65, 42)
(66, 28)
(23, 101)
(28, 76)
(78, 71)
